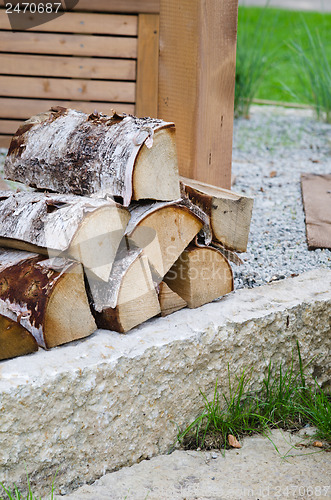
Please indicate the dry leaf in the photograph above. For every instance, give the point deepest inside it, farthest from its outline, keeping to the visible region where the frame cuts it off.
(318, 444)
(273, 173)
(233, 441)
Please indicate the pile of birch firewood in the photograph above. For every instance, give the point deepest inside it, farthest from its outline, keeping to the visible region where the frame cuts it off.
(105, 233)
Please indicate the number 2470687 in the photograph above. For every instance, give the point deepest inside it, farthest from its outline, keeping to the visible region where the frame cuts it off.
(33, 8)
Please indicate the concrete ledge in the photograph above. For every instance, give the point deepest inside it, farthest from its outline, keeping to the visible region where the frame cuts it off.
(110, 400)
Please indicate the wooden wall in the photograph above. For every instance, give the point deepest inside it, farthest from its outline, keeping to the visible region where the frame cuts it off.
(85, 59)
(174, 59)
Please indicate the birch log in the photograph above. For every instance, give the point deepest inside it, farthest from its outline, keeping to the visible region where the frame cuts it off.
(169, 300)
(68, 151)
(163, 230)
(129, 298)
(229, 212)
(14, 339)
(45, 296)
(82, 228)
(200, 275)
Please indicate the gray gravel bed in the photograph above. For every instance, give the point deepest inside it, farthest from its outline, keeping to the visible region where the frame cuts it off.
(270, 151)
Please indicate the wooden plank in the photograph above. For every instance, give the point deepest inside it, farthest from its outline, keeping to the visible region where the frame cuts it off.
(60, 88)
(69, 67)
(196, 84)
(9, 126)
(148, 65)
(5, 141)
(25, 108)
(77, 22)
(316, 195)
(75, 45)
(125, 6)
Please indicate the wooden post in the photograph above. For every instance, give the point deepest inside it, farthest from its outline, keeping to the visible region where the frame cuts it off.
(196, 84)
(147, 65)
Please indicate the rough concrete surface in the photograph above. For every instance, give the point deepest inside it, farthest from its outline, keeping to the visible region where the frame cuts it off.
(256, 471)
(111, 400)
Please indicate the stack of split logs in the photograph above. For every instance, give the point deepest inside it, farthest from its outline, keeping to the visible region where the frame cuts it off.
(107, 235)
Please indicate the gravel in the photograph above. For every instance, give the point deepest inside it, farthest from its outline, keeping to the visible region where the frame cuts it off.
(270, 151)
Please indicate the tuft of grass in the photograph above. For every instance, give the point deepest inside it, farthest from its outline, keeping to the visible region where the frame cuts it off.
(284, 401)
(252, 62)
(17, 495)
(278, 28)
(313, 70)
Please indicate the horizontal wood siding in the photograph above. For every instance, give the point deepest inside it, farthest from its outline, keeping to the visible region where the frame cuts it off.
(9, 126)
(82, 22)
(24, 108)
(5, 140)
(68, 67)
(125, 6)
(75, 45)
(61, 88)
(85, 59)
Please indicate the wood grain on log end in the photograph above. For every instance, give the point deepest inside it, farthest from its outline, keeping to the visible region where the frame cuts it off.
(14, 339)
(170, 301)
(46, 296)
(155, 175)
(229, 212)
(200, 275)
(163, 230)
(135, 300)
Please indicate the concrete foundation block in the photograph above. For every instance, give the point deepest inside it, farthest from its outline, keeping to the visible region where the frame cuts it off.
(110, 400)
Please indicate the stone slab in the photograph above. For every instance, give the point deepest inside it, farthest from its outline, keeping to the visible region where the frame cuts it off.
(111, 400)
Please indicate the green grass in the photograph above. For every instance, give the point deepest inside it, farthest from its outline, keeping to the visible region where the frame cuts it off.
(284, 401)
(17, 495)
(313, 68)
(278, 29)
(254, 60)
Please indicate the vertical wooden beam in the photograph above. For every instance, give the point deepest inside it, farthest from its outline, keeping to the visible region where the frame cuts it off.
(147, 65)
(196, 84)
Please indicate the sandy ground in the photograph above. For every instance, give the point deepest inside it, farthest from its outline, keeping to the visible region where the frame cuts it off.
(256, 471)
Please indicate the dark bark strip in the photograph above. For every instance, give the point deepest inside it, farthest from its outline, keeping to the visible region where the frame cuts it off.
(27, 281)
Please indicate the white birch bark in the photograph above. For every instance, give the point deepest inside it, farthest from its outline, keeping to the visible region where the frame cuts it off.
(68, 151)
(105, 295)
(89, 230)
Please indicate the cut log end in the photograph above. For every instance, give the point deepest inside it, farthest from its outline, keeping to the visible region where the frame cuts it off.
(155, 175)
(68, 316)
(229, 212)
(164, 231)
(46, 296)
(97, 239)
(15, 340)
(136, 301)
(169, 300)
(200, 275)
